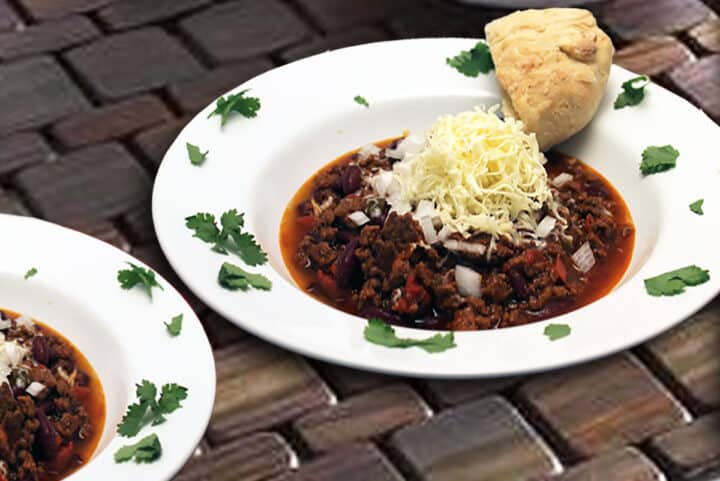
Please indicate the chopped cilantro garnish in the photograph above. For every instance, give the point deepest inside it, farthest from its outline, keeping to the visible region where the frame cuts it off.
(175, 325)
(359, 99)
(230, 239)
(148, 410)
(696, 207)
(31, 272)
(383, 334)
(147, 450)
(129, 278)
(233, 277)
(633, 92)
(236, 104)
(474, 61)
(674, 282)
(196, 156)
(556, 331)
(658, 159)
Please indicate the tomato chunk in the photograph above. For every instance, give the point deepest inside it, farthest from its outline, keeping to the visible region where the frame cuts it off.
(307, 222)
(560, 269)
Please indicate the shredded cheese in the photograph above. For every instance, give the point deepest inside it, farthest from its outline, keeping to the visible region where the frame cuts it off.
(483, 175)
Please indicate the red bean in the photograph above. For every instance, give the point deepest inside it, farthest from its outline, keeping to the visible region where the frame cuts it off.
(518, 282)
(47, 437)
(41, 350)
(351, 179)
(347, 264)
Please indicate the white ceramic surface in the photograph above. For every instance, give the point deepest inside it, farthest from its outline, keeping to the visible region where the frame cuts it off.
(308, 118)
(121, 332)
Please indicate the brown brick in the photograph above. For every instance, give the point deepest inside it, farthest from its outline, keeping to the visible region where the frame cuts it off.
(11, 204)
(708, 35)
(50, 36)
(155, 141)
(635, 19)
(653, 55)
(138, 224)
(195, 95)
(254, 458)
(334, 41)
(105, 231)
(111, 121)
(220, 331)
(362, 417)
(85, 186)
(444, 21)
(692, 449)
(627, 464)
(452, 393)
(353, 463)
(133, 62)
(691, 353)
(485, 439)
(234, 30)
(347, 382)
(42, 9)
(21, 150)
(605, 405)
(701, 80)
(338, 14)
(259, 387)
(35, 92)
(9, 19)
(131, 13)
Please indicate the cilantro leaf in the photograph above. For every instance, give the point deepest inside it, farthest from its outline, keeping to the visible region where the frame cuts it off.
(248, 249)
(129, 278)
(196, 156)
(383, 334)
(175, 325)
(146, 391)
(234, 278)
(231, 220)
(147, 450)
(236, 104)
(170, 398)
(204, 226)
(474, 61)
(696, 207)
(230, 239)
(658, 159)
(133, 420)
(31, 272)
(556, 331)
(674, 282)
(149, 410)
(633, 92)
(359, 99)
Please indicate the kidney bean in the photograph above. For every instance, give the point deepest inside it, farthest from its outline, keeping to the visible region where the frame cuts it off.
(345, 236)
(351, 179)
(372, 312)
(41, 350)
(82, 379)
(18, 391)
(518, 283)
(47, 437)
(347, 264)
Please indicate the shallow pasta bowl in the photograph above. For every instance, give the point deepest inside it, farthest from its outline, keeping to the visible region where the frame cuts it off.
(308, 118)
(120, 332)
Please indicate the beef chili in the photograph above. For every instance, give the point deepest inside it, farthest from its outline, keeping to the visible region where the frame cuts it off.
(52, 406)
(385, 269)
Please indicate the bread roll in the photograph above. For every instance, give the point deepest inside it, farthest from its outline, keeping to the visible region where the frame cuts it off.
(553, 66)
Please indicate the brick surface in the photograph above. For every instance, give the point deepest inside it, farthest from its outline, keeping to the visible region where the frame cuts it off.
(131, 13)
(443, 22)
(132, 62)
(604, 405)
(9, 19)
(138, 225)
(88, 185)
(49, 36)
(254, 458)
(260, 386)
(486, 439)
(233, 31)
(334, 41)
(690, 354)
(634, 19)
(42, 9)
(653, 55)
(365, 416)
(627, 464)
(338, 14)
(21, 150)
(220, 331)
(694, 448)
(195, 95)
(346, 382)
(154, 142)
(105, 231)
(11, 204)
(701, 80)
(35, 92)
(110, 122)
(707, 34)
(354, 463)
(451, 393)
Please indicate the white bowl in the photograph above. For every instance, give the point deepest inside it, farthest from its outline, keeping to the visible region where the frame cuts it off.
(308, 118)
(121, 332)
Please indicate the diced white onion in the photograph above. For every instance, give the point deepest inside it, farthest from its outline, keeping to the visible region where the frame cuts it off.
(545, 226)
(35, 388)
(425, 208)
(561, 179)
(428, 230)
(468, 281)
(444, 233)
(395, 154)
(400, 206)
(394, 189)
(583, 258)
(368, 151)
(359, 218)
(381, 181)
(410, 145)
(5, 324)
(24, 321)
(12, 353)
(4, 372)
(462, 246)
